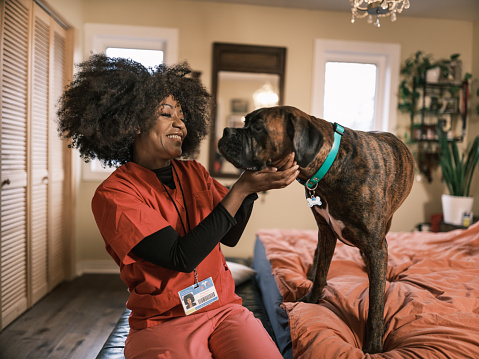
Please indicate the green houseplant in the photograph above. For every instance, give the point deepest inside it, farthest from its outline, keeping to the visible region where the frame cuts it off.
(458, 171)
(413, 73)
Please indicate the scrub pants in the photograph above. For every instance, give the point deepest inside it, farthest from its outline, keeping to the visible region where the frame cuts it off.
(229, 332)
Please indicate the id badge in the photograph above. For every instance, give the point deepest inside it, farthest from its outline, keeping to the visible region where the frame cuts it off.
(198, 296)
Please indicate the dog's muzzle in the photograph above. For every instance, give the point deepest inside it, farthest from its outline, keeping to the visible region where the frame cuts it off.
(236, 147)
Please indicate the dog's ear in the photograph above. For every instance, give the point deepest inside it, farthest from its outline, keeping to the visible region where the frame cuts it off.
(307, 139)
(250, 115)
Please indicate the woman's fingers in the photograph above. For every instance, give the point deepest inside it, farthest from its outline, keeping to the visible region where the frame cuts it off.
(270, 178)
(281, 179)
(285, 162)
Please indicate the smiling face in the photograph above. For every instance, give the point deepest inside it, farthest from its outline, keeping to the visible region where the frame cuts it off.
(163, 142)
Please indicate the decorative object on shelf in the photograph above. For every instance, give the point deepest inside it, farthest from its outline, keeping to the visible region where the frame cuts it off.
(432, 75)
(457, 171)
(375, 8)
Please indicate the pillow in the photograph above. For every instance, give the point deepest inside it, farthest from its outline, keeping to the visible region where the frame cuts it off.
(240, 272)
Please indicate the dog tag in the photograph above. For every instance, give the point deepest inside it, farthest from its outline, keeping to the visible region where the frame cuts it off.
(314, 201)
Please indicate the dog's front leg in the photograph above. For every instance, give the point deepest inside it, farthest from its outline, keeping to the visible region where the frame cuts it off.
(376, 264)
(312, 271)
(323, 255)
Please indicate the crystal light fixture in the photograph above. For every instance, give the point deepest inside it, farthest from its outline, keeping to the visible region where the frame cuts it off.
(265, 97)
(374, 8)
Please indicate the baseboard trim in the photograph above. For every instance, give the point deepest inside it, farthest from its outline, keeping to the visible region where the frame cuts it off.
(97, 267)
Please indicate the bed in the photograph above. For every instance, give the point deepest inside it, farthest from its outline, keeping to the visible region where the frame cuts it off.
(432, 295)
(432, 299)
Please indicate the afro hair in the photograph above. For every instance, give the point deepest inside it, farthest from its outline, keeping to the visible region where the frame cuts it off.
(111, 100)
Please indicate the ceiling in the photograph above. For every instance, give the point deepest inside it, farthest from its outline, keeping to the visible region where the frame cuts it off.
(466, 10)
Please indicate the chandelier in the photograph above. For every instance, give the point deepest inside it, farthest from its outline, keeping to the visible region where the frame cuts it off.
(373, 8)
(265, 97)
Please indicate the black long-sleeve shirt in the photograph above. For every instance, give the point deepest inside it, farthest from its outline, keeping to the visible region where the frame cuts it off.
(168, 249)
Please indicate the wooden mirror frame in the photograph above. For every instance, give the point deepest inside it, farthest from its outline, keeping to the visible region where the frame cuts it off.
(242, 58)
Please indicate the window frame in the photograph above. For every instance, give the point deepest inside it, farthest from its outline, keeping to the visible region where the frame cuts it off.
(99, 37)
(387, 59)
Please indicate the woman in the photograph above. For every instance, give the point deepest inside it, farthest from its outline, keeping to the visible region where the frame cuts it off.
(163, 219)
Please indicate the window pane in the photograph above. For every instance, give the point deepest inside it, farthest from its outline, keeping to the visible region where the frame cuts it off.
(350, 94)
(148, 58)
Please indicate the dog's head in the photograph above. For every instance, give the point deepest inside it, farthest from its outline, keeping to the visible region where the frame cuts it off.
(270, 134)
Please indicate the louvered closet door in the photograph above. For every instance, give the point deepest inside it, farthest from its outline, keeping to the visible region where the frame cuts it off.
(33, 242)
(57, 247)
(13, 195)
(39, 179)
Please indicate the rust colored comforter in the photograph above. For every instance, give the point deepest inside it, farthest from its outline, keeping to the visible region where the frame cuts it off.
(432, 295)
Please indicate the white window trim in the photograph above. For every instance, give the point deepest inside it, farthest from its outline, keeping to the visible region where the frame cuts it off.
(385, 56)
(98, 37)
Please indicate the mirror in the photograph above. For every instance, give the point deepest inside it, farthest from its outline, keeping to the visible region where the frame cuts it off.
(244, 78)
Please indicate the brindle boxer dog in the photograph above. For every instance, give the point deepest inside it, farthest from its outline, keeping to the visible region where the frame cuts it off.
(370, 177)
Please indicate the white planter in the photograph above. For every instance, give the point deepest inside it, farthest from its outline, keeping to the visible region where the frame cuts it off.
(453, 208)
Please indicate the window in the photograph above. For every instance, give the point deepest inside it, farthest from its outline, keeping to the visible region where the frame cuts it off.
(148, 58)
(360, 93)
(354, 84)
(150, 46)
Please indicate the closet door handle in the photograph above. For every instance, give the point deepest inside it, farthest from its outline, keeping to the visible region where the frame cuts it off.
(45, 179)
(6, 182)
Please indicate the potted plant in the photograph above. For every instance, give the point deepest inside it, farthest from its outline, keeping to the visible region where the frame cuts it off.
(415, 71)
(457, 171)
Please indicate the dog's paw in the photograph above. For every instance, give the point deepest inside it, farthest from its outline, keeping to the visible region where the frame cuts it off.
(373, 347)
(373, 350)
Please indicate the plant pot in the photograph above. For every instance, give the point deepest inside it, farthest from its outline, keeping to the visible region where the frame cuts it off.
(454, 207)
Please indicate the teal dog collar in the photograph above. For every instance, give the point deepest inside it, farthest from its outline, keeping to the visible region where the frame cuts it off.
(313, 181)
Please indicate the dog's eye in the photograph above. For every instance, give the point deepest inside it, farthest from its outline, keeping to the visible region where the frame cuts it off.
(257, 126)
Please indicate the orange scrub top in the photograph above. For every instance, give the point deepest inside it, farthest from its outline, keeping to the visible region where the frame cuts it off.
(132, 204)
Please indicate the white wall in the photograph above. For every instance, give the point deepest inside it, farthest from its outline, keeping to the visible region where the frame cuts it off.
(202, 23)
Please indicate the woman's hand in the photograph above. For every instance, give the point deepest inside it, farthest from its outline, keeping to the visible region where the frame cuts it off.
(281, 175)
(269, 178)
(285, 162)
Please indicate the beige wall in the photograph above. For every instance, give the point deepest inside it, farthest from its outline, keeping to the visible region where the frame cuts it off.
(202, 23)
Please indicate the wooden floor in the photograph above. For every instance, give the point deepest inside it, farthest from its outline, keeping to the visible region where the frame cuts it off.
(73, 321)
